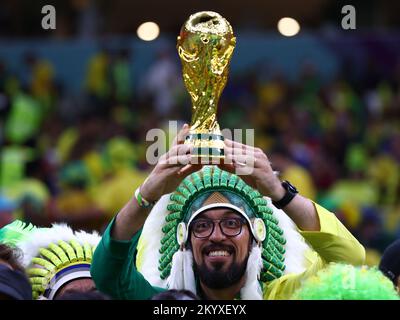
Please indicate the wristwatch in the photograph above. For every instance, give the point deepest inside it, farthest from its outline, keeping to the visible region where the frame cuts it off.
(291, 192)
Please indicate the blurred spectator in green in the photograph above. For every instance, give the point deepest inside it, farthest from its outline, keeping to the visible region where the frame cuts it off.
(24, 119)
(121, 77)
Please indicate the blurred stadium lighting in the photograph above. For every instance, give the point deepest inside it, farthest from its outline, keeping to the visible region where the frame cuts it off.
(288, 27)
(148, 31)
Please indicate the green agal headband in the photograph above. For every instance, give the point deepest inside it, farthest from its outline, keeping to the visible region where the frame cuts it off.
(190, 199)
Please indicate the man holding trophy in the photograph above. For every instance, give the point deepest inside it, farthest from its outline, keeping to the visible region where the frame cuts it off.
(223, 231)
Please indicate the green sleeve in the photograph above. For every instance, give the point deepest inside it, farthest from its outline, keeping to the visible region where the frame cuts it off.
(113, 269)
(332, 243)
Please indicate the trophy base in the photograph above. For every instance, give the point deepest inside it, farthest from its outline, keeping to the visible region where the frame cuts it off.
(208, 147)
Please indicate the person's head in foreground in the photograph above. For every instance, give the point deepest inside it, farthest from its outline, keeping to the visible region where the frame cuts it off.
(14, 284)
(57, 259)
(224, 232)
(82, 295)
(390, 263)
(174, 294)
(347, 282)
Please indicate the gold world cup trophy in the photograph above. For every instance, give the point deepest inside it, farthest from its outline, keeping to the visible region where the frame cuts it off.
(205, 46)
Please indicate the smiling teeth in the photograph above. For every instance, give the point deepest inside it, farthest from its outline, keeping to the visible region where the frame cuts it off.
(218, 254)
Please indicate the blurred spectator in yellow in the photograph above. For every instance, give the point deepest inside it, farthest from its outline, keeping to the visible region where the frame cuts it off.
(372, 257)
(65, 143)
(97, 75)
(42, 85)
(296, 174)
(120, 178)
(111, 194)
(349, 213)
(74, 204)
(384, 172)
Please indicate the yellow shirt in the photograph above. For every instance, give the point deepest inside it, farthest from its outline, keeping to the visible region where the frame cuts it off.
(333, 243)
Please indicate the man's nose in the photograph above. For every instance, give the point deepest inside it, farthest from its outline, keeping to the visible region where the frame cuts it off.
(217, 234)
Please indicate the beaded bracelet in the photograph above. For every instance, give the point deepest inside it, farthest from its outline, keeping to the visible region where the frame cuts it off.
(142, 202)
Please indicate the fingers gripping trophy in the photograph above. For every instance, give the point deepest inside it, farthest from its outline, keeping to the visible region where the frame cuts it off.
(205, 46)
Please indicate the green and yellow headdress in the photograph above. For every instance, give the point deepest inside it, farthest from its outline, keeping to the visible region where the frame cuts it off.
(189, 199)
(51, 256)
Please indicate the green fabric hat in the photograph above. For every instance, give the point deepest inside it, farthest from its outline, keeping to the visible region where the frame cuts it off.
(346, 282)
(189, 199)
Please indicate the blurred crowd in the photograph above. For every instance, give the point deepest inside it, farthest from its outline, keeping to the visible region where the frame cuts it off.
(79, 158)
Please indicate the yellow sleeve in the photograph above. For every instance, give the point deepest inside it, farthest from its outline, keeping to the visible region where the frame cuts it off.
(333, 243)
(284, 287)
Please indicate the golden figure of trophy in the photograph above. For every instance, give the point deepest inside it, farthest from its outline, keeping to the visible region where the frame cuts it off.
(205, 46)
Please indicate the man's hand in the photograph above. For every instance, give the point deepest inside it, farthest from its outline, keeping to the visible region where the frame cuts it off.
(254, 167)
(170, 170)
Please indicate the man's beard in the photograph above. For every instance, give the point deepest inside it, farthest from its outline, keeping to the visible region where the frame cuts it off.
(218, 278)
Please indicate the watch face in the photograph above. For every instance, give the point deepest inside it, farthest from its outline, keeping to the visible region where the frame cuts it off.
(290, 187)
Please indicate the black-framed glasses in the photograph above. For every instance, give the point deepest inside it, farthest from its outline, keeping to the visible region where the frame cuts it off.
(230, 227)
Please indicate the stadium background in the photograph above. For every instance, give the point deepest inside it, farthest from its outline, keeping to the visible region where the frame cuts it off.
(76, 104)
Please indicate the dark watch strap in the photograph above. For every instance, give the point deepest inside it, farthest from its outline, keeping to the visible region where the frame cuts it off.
(291, 192)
